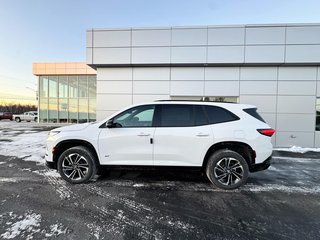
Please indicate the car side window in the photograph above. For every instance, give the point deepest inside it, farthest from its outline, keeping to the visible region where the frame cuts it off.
(141, 116)
(177, 115)
(219, 115)
(200, 116)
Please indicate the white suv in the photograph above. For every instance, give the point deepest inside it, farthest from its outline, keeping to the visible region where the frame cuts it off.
(226, 140)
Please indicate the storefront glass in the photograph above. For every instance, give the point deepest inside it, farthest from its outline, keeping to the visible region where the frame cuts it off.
(67, 99)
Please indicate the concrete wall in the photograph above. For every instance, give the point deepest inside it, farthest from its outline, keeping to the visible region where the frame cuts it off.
(274, 67)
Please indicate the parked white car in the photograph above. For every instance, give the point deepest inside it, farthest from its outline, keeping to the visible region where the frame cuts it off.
(27, 116)
(225, 140)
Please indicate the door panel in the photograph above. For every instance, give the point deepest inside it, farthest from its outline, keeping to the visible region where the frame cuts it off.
(182, 136)
(127, 141)
(126, 146)
(176, 146)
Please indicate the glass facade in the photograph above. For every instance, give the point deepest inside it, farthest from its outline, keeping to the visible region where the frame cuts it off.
(67, 99)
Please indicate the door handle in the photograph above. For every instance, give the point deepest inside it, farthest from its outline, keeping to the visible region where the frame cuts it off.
(202, 135)
(143, 134)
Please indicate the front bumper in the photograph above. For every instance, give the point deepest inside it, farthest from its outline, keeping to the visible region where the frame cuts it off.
(261, 166)
(51, 165)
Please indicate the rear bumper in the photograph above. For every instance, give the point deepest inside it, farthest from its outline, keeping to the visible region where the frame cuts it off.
(261, 166)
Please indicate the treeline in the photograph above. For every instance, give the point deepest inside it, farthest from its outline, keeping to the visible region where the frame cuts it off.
(17, 108)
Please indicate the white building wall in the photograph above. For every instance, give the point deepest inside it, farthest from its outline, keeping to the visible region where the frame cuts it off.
(274, 67)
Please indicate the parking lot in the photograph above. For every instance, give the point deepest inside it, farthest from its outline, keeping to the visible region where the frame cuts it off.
(282, 202)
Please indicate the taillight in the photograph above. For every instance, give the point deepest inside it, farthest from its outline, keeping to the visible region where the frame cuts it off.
(267, 132)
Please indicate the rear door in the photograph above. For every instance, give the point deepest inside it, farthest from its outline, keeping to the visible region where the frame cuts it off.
(182, 136)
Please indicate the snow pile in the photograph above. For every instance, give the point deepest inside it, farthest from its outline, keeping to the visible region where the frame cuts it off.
(296, 149)
(29, 146)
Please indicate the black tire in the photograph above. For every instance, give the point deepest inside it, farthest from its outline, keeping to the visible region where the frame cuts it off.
(77, 165)
(227, 169)
(35, 119)
(17, 119)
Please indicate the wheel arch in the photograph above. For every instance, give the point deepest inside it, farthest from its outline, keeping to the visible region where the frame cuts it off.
(67, 144)
(242, 148)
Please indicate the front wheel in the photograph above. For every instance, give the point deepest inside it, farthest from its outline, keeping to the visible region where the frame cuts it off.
(77, 165)
(227, 169)
(17, 119)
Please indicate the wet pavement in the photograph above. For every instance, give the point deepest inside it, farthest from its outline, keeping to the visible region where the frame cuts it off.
(282, 202)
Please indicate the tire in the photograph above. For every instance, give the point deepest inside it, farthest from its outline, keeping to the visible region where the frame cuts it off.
(35, 119)
(17, 119)
(77, 165)
(227, 169)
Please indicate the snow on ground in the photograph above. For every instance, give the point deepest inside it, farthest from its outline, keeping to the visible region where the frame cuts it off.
(28, 146)
(296, 149)
(27, 225)
(24, 140)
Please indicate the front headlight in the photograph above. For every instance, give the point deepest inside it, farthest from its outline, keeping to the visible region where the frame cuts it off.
(52, 133)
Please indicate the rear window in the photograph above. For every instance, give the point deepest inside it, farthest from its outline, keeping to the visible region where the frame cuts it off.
(253, 112)
(219, 115)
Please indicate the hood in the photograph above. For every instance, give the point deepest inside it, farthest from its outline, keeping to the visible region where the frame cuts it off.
(76, 127)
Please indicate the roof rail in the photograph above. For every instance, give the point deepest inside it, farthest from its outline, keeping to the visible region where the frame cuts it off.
(170, 100)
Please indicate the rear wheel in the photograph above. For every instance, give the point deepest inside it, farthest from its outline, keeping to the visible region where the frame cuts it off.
(77, 165)
(17, 119)
(227, 169)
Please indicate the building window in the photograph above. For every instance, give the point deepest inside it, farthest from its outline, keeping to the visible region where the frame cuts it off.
(207, 98)
(318, 115)
(67, 99)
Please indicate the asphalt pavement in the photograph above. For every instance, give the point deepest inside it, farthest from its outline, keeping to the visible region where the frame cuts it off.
(282, 202)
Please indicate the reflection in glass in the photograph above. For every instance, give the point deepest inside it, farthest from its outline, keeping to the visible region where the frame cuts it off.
(83, 110)
(92, 109)
(53, 86)
(318, 115)
(207, 98)
(43, 109)
(73, 87)
(83, 86)
(92, 83)
(43, 86)
(73, 110)
(63, 86)
(67, 99)
(53, 110)
(63, 110)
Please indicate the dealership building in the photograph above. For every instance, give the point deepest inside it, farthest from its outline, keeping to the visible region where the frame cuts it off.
(275, 67)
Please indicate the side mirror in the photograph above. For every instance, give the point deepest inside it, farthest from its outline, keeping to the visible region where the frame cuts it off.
(110, 124)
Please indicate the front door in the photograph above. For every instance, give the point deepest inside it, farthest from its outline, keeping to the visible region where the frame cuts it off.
(129, 141)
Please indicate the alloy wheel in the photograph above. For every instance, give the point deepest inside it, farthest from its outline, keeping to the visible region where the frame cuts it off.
(228, 171)
(75, 166)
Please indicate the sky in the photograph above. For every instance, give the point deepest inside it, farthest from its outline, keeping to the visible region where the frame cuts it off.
(54, 31)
